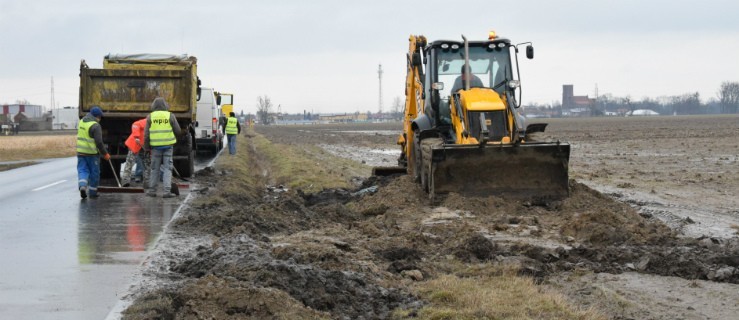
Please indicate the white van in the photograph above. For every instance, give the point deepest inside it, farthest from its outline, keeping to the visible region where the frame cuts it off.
(208, 135)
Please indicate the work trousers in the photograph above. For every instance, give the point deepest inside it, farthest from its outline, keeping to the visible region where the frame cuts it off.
(142, 161)
(232, 144)
(161, 160)
(88, 173)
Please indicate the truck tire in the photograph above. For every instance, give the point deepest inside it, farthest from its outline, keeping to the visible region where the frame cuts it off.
(186, 167)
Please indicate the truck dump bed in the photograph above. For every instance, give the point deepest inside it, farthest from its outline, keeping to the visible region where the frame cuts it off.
(129, 83)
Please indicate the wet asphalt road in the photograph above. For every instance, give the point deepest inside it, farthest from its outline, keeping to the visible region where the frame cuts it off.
(66, 258)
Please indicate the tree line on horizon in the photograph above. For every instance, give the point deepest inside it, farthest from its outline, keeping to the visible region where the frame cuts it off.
(725, 102)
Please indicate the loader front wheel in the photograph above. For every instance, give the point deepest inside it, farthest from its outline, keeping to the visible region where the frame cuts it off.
(430, 182)
(427, 172)
(417, 159)
(425, 179)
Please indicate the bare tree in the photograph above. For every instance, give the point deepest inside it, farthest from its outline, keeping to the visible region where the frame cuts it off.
(398, 108)
(264, 108)
(728, 96)
(688, 103)
(627, 102)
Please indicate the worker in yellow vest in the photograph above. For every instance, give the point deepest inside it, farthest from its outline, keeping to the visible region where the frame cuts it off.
(90, 148)
(160, 136)
(233, 128)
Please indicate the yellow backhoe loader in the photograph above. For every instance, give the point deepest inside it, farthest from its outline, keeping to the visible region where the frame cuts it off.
(462, 130)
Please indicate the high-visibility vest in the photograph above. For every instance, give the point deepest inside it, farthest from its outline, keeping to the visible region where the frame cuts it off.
(160, 132)
(231, 126)
(85, 143)
(137, 132)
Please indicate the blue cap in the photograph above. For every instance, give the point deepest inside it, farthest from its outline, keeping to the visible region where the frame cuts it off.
(96, 112)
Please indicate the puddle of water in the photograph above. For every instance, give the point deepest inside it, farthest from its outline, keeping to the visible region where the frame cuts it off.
(708, 221)
(369, 156)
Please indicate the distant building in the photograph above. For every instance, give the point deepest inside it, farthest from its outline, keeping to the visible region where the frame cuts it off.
(65, 119)
(576, 106)
(28, 117)
(642, 112)
(29, 111)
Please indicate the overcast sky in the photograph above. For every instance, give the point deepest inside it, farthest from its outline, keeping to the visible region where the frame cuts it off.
(322, 56)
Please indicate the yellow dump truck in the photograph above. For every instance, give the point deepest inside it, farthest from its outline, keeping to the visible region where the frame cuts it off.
(125, 87)
(226, 101)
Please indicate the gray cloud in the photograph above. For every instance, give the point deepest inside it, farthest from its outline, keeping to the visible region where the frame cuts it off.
(325, 53)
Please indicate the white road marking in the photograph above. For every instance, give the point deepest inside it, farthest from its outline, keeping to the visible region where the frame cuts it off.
(48, 185)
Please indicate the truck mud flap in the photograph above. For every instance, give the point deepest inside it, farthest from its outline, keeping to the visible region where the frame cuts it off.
(526, 171)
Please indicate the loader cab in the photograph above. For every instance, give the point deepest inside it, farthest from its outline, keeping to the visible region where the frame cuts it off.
(490, 62)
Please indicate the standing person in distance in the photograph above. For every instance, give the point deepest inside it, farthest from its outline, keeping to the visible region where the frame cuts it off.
(233, 128)
(160, 136)
(89, 149)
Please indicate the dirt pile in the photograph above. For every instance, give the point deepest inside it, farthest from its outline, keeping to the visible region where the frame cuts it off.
(327, 257)
(356, 253)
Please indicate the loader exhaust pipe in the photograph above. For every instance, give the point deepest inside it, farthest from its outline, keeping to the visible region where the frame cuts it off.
(466, 64)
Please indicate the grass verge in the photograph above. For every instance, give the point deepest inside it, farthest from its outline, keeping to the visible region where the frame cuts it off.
(259, 163)
(13, 148)
(11, 166)
(304, 167)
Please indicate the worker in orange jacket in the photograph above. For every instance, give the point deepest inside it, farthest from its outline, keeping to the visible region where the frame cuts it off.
(137, 154)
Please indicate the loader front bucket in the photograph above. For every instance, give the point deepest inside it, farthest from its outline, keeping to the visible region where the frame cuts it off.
(526, 171)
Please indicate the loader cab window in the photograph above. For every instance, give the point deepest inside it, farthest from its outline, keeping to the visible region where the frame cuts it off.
(490, 63)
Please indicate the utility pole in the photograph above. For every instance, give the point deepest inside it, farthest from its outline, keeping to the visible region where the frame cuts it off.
(597, 104)
(379, 74)
(53, 104)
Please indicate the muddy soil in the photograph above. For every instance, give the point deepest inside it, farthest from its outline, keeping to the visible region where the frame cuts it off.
(621, 243)
(672, 167)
